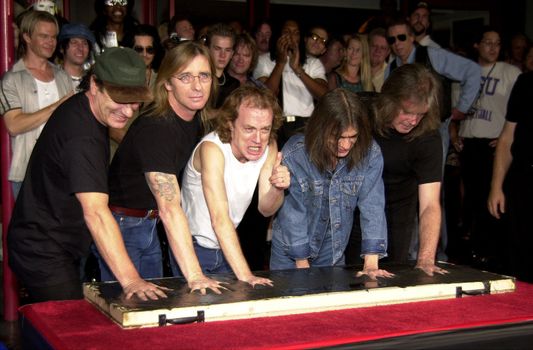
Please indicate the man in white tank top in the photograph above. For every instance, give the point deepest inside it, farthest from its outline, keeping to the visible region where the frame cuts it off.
(32, 90)
(222, 173)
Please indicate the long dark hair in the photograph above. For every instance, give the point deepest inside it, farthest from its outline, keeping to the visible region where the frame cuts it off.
(335, 112)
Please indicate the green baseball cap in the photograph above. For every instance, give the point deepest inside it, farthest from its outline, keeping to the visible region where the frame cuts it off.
(124, 75)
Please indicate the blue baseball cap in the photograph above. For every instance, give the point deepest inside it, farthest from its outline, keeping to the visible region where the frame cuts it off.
(75, 30)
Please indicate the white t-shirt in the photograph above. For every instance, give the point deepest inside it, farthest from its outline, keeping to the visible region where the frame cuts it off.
(240, 180)
(488, 120)
(297, 100)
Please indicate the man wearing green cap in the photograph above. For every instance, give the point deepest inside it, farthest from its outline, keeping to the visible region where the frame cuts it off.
(63, 202)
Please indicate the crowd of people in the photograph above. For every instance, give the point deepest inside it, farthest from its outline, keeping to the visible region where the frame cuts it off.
(181, 150)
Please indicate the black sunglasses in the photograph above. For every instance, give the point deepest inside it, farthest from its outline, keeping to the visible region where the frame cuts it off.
(149, 49)
(392, 39)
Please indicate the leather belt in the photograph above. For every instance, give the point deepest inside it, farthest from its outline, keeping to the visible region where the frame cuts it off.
(136, 213)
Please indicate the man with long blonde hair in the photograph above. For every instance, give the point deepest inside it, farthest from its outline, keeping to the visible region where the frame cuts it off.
(144, 174)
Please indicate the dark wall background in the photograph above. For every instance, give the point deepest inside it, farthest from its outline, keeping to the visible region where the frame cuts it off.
(510, 16)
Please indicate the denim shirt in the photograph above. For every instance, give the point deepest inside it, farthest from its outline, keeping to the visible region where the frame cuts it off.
(316, 202)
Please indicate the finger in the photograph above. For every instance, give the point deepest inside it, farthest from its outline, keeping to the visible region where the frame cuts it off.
(501, 207)
(222, 287)
(385, 273)
(490, 208)
(278, 159)
(160, 293)
(163, 288)
(216, 290)
(151, 294)
(140, 295)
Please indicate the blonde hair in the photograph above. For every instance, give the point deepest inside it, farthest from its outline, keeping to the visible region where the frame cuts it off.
(410, 82)
(27, 26)
(365, 73)
(174, 61)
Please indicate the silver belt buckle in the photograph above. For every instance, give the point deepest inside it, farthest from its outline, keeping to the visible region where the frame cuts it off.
(290, 118)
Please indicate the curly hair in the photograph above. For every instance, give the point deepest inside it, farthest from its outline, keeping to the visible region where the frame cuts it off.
(252, 97)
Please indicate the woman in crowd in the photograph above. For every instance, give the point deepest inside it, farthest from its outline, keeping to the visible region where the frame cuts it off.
(354, 74)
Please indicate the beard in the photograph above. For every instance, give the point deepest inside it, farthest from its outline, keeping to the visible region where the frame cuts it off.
(419, 29)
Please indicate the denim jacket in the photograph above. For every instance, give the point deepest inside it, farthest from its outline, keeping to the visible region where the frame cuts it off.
(315, 200)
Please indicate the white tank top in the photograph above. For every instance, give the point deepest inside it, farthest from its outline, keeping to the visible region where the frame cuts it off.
(240, 180)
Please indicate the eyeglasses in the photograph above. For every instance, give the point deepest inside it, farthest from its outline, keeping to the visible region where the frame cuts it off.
(392, 39)
(140, 49)
(188, 78)
(317, 37)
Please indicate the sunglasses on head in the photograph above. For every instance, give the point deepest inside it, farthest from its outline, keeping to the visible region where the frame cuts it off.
(149, 49)
(392, 39)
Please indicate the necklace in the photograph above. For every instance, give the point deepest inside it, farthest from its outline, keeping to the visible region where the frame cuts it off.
(223, 81)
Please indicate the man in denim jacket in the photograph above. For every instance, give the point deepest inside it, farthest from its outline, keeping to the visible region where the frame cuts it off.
(335, 167)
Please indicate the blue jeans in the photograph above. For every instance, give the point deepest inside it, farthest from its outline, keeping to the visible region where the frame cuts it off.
(211, 261)
(142, 245)
(280, 260)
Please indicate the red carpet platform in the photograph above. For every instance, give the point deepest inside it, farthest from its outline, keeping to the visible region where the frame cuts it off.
(79, 325)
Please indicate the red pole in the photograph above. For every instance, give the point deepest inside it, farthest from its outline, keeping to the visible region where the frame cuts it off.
(251, 14)
(66, 9)
(145, 4)
(7, 46)
(171, 8)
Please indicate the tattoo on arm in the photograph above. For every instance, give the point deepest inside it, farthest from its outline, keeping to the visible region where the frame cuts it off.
(166, 186)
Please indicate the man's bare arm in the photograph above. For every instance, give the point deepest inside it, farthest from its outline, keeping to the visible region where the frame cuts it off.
(211, 161)
(316, 87)
(430, 222)
(502, 162)
(18, 122)
(166, 191)
(108, 240)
